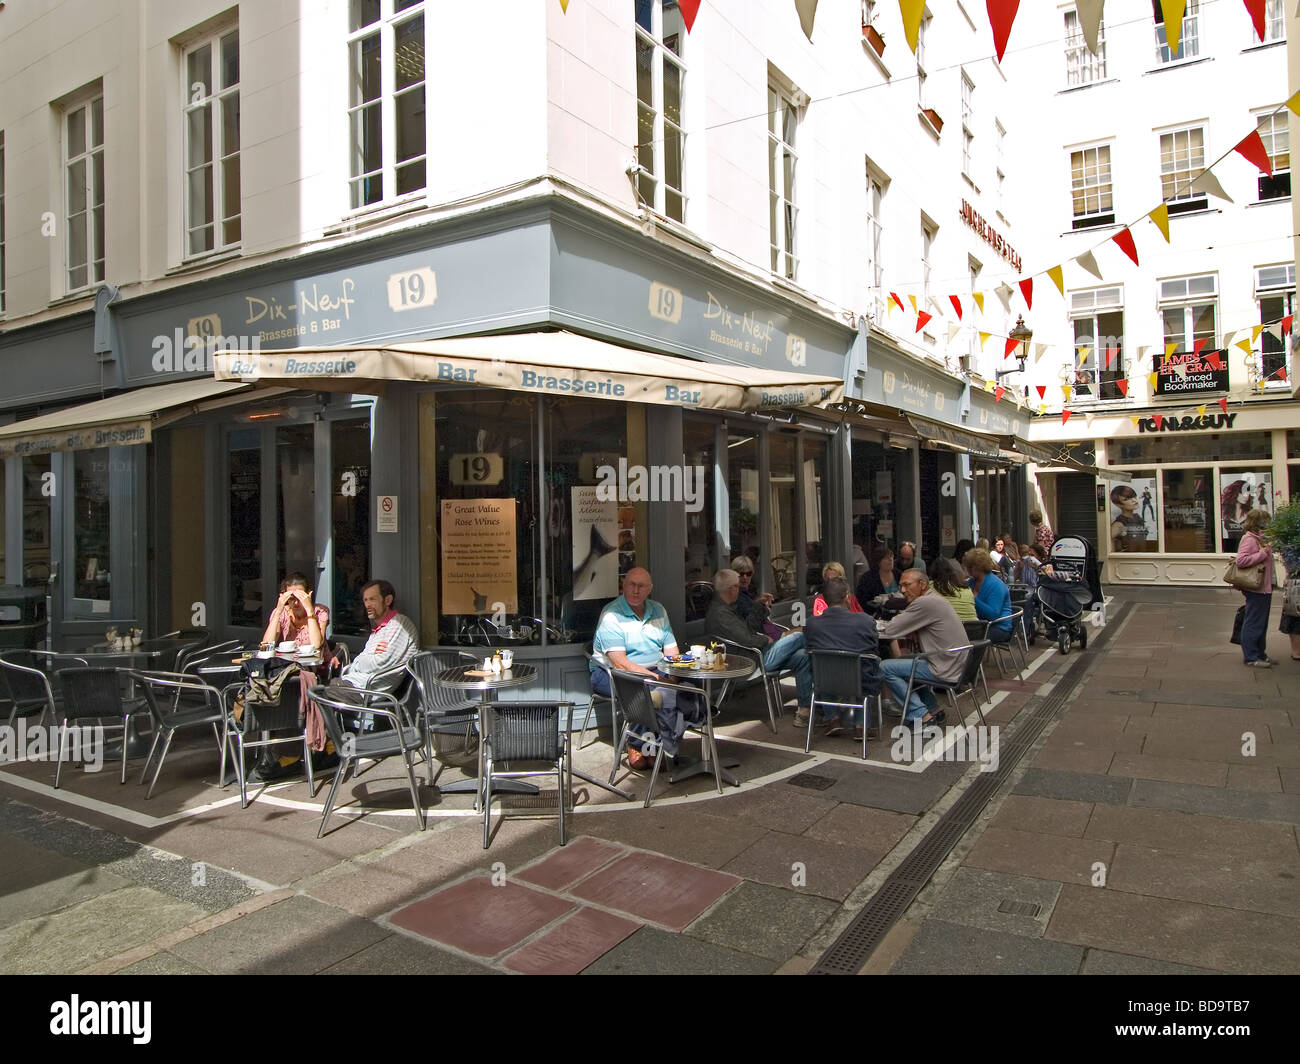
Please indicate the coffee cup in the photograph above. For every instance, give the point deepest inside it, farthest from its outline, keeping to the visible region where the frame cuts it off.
(507, 658)
(697, 651)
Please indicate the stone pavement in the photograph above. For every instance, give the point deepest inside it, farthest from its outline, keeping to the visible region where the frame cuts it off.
(1152, 828)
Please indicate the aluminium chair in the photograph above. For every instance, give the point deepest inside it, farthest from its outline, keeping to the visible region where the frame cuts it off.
(963, 685)
(589, 652)
(260, 718)
(95, 693)
(1011, 648)
(162, 695)
(25, 681)
(526, 731)
(837, 681)
(770, 680)
(437, 709)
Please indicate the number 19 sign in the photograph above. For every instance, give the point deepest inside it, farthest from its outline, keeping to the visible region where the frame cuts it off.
(411, 289)
(476, 470)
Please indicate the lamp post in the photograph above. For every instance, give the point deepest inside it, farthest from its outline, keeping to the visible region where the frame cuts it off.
(1022, 334)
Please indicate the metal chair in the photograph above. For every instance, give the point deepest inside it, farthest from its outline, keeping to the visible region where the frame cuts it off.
(440, 710)
(403, 737)
(195, 639)
(771, 680)
(339, 658)
(262, 718)
(1011, 647)
(632, 690)
(526, 731)
(25, 681)
(837, 681)
(589, 652)
(162, 697)
(95, 694)
(965, 684)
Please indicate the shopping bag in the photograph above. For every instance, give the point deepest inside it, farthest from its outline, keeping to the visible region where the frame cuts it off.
(1237, 622)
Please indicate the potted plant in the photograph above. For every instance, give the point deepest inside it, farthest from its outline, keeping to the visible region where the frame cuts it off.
(1283, 535)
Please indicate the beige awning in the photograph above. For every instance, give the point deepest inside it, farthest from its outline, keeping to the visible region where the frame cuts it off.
(544, 363)
(973, 443)
(119, 421)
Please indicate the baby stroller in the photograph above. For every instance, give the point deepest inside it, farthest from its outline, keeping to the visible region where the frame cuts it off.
(1061, 601)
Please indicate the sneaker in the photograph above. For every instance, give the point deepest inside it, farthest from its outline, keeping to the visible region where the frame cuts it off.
(801, 720)
(1262, 664)
(834, 728)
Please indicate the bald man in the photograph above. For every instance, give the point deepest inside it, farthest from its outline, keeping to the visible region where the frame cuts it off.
(633, 635)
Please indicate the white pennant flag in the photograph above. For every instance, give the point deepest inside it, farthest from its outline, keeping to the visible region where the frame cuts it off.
(1142, 351)
(1207, 182)
(1275, 331)
(953, 330)
(807, 12)
(1039, 351)
(938, 310)
(1089, 262)
(1004, 293)
(1090, 21)
(1180, 368)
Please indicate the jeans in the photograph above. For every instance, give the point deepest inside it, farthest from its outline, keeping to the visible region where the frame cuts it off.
(1254, 626)
(999, 635)
(788, 652)
(671, 717)
(896, 672)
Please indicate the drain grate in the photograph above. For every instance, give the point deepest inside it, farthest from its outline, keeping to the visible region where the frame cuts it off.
(812, 781)
(1019, 908)
(848, 953)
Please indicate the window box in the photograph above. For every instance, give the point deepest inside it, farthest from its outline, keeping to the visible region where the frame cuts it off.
(932, 117)
(875, 39)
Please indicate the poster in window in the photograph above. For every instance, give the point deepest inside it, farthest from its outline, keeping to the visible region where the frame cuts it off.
(479, 556)
(1133, 515)
(1239, 494)
(595, 544)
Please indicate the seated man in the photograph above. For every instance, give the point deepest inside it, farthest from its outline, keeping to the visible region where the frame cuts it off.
(839, 628)
(393, 640)
(932, 620)
(725, 621)
(633, 635)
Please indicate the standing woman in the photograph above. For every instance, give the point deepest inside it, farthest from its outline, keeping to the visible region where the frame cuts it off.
(1042, 530)
(1252, 552)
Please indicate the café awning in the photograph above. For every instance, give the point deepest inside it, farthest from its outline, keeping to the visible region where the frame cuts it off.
(544, 363)
(118, 421)
(974, 443)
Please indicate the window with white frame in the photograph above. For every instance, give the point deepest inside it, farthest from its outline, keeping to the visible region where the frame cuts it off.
(967, 124)
(928, 232)
(660, 80)
(1189, 311)
(1091, 188)
(921, 33)
(1081, 66)
(2, 222)
(83, 172)
(1097, 321)
(1274, 22)
(1276, 135)
(1275, 293)
(387, 123)
(211, 94)
(1182, 160)
(877, 184)
(1189, 41)
(782, 163)
(1000, 144)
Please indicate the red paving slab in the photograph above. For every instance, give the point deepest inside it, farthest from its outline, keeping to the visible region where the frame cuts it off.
(658, 889)
(569, 948)
(579, 858)
(480, 918)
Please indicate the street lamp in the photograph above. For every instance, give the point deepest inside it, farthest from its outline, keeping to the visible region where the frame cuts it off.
(1022, 334)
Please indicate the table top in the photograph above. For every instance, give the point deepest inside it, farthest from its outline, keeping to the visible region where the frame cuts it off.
(459, 678)
(734, 668)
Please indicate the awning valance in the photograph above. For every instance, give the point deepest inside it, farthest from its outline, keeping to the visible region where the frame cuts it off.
(118, 421)
(545, 363)
(974, 443)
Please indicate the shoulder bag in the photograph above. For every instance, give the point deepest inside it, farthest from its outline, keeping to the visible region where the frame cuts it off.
(1251, 579)
(1291, 597)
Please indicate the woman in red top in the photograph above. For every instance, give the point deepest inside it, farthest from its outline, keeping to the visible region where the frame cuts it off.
(295, 618)
(819, 603)
(1252, 551)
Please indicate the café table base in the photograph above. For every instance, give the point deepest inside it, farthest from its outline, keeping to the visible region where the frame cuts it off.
(687, 767)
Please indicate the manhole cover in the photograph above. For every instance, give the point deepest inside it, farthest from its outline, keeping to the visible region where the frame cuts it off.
(813, 782)
(1019, 908)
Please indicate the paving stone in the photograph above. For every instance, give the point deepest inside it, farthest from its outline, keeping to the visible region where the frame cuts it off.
(1191, 832)
(826, 869)
(1087, 706)
(209, 887)
(572, 945)
(402, 955)
(34, 880)
(481, 918)
(882, 789)
(1173, 770)
(763, 920)
(298, 936)
(1072, 758)
(1075, 786)
(877, 830)
(782, 806)
(1203, 936)
(944, 948)
(656, 889)
(1103, 962)
(1047, 816)
(1038, 856)
(568, 864)
(1290, 780)
(1217, 801)
(976, 898)
(654, 952)
(50, 831)
(1265, 778)
(163, 963)
(1266, 884)
(685, 832)
(371, 890)
(100, 927)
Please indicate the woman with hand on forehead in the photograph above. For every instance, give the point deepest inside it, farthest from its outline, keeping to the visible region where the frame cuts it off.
(295, 619)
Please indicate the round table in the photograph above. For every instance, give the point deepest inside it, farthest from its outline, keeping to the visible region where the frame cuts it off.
(460, 677)
(733, 667)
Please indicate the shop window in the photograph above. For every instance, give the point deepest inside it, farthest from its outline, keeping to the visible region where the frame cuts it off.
(701, 540)
(784, 103)
(1274, 23)
(90, 534)
(1182, 159)
(1097, 318)
(1293, 443)
(1133, 506)
(781, 513)
(1189, 41)
(660, 80)
(83, 169)
(1293, 481)
(1090, 187)
(37, 492)
(4, 502)
(295, 483)
(386, 105)
(210, 97)
(742, 495)
(1275, 291)
(2, 223)
(245, 532)
(813, 484)
(1241, 491)
(1276, 135)
(1188, 311)
(350, 523)
(1188, 511)
(1155, 448)
(1081, 66)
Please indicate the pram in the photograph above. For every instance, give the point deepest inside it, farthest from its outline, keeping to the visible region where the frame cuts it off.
(1074, 585)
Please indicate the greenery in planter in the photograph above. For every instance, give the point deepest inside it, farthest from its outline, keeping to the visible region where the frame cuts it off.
(1283, 534)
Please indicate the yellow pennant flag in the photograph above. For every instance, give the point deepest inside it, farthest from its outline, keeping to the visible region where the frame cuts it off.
(1057, 274)
(1135, 421)
(1244, 344)
(984, 336)
(979, 300)
(1173, 11)
(912, 299)
(1161, 217)
(1067, 391)
(1201, 410)
(912, 11)
(1151, 379)
(1083, 353)
(1042, 408)
(1294, 104)
(564, 6)
(988, 386)
(1254, 333)
(1170, 349)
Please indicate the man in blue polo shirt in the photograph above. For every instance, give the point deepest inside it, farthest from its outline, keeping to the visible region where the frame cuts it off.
(633, 635)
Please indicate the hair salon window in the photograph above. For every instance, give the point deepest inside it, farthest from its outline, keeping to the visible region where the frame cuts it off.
(1152, 448)
(1189, 510)
(1132, 508)
(1240, 491)
(781, 515)
(813, 492)
(37, 492)
(742, 499)
(90, 473)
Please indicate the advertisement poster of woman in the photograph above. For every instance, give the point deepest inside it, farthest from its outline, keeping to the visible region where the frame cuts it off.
(1129, 530)
(1242, 492)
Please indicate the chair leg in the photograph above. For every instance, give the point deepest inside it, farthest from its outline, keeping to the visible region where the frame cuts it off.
(772, 689)
(329, 801)
(586, 722)
(654, 775)
(161, 758)
(149, 757)
(812, 716)
(560, 780)
(58, 769)
(306, 760)
(713, 749)
(487, 805)
(618, 753)
(415, 789)
(979, 709)
(126, 722)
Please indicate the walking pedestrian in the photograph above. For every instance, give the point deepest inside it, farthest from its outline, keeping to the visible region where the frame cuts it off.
(1252, 552)
(1042, 530)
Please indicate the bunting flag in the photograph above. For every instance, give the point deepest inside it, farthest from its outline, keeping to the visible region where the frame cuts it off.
(1089, 262)
(1254, 333)
(1065, 416)
(983, 337)
(1067, 391)
(953, 330)
(1042, 409)
(998, 393)
(1215, 362)
(1201, 410)
(912, 299)
(1002, 13)
(1207, 182)
(934, 304)
(1083, 353)
(1256, 9)
(1124, 239)
(1159, 420)
(807, 12)
(988, 386)
(690, 8)
(1142, 352)
(1111, 352)
(1039, 351)
(979, 300)
(956, 305)
(1057, 274)
(1161, 217)
(1012, 344)
(1286, 323)
(1027, 290)
(1151, 380)
(1122, 385)
(1135, 421)
(1180, 370)
(911, 11)
(922, 319)
(1088, 418)
(1294, 102)
(1169, 351)
(1274, 332)
(1173, 17)
(1196, 347)
(1042, 390)
(894, 297)
(1090, 21)
(1281, 373)
(564, 7)
(1223, 405)
(1251, 147)
(1244, 344)
(1004, 292)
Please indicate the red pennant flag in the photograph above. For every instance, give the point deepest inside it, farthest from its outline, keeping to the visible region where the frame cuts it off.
(1196, 347)
(1251, 147)
(894, 297)
(1122, 385)
(1281, 373)
(1125, 241)
(1160, 420)
(1286, 323)
(1065, 416)
(1223, 405)
(1011, 346)
(921, 320)
(1002, 13)
(956, 305)
(998, 393)
(690, 8)
(1214, 360)
(1042, 390)
(1111, 352)
(1256, 9)
(1027, 290)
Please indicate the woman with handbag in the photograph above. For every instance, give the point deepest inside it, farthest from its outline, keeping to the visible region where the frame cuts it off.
(1254, 553)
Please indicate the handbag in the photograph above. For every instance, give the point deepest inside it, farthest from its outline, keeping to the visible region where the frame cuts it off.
(1237, 622)
(1244, 579)
(1291, 597)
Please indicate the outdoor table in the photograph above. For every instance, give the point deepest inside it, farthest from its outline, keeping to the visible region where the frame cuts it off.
(459, 677)
(733, 668)
(149, 651)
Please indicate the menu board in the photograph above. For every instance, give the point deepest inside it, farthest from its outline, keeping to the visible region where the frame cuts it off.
(479, 573)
